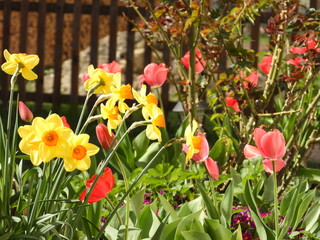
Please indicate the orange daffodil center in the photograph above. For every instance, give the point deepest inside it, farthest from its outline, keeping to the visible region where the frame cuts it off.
(46, 139)
(21, 61)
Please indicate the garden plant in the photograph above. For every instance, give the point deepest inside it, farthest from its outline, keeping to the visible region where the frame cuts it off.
(238, 172)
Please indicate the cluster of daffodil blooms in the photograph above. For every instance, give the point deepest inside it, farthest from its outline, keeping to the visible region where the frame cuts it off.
(46, 139)
(109, 86)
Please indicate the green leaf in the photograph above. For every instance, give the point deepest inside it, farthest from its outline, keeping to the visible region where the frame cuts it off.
(264, 232)
(170, 229)
(216, 230)
(187, 223)
(140, 144)
(191, 207)
(237, 235)
(192, 235)
(148, 222)
(219, 150)
(313, 175)
(226, 204)
(168, 207)
(303, 206)
(312, 217)
(211, 209)
(152, 150)
(268, 189)
(137, 202)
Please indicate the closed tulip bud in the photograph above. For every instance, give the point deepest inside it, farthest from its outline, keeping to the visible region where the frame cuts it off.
(24, 112)
(65, 122)
(104, 138)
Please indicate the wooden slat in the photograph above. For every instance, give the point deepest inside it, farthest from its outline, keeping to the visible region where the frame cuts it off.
(165, 86)
(95, 14)
(23, 43)
(58, 54)
(314, 4)
(5, 45)
(41, 53)
(75, 52)
(129, 51)
(113, 27)
(255, 37)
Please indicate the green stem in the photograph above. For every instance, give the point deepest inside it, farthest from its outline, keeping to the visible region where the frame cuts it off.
(275, 199)
(169, 143)
(118, 216)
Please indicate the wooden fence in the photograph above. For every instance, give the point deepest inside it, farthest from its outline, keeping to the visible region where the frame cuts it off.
(77, 9)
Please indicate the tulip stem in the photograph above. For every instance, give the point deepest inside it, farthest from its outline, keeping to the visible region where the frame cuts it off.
(275, 199)
(111, 204)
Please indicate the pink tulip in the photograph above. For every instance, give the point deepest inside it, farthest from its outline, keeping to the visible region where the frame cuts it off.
(24, 112)
(203, 156)
(212, 168)
(154, 74)
(270, 145)
(104, 138)
(265, 64)
(232, 102)
(298, 62)
(200, 63)
(113, 67)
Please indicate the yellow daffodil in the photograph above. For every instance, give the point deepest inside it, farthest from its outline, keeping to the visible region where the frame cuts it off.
(47, 139)
(155, 115)
(79, 153)
(101, 80)
(144, 99)
(22, 61)
(113, 116)
(119, 94)
(193, 143)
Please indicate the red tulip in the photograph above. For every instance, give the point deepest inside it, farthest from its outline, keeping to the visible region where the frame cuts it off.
(200, 63)
(65, 122)
(113, 67)
(298, 62)
(270, 145)
(232, 102)
(103, 186)
(203, 156)
(24, 112)
(212, 168)
(251, 80)
(154, 74)
(265, 64)
(104, 138)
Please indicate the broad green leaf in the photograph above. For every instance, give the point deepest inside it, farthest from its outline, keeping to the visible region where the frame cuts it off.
(312, 217)
(137, 202)
(211, 209)
(268, 189)
(263, 230)
(192, 235)
(168, 207)
(237, 235)
(170, 229)
(140, 144)
(111, 233)
(190, 207)
(152, 150)
(133, 233)
(312, 174)
(303, 206)
(186, 224)
(219, 150)
(226, 204)
(148, 222)
(216, 230)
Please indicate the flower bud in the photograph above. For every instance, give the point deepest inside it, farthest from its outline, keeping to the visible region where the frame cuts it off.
(65, 122)
(24, 112)
(104, 138)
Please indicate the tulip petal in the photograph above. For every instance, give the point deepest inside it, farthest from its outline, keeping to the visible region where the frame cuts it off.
(212, 168)
(250, 151)
(267, 165)
(204, 149)
(272, 145)
(258, 133)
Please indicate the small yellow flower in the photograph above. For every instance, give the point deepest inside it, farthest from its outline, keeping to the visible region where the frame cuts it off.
(119, 94)
(155, 115)
(45, 139)
(101, 80)
(192, 142)
(113, 116)
(22, 61)
(79, 153)
(144, 99)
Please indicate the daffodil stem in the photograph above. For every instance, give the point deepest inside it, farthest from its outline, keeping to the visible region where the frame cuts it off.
(126, 184)
(169, 143)
(214, 201)
(82, 111)
(275, 200)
